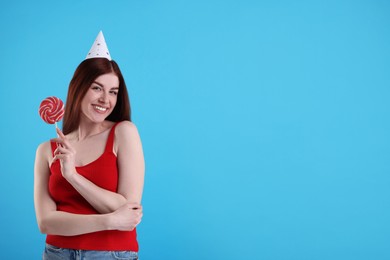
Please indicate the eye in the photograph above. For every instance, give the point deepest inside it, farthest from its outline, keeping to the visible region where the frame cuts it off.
(96, 88)
(114, 92)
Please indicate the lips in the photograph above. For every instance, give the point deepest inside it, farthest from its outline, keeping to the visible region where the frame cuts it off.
(99, 109)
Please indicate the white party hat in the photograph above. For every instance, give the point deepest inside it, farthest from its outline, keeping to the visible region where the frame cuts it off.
(99, 48)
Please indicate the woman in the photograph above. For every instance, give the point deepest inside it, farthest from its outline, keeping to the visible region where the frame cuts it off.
(88, 181)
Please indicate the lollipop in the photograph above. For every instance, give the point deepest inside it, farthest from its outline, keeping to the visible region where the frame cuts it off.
(51, 110)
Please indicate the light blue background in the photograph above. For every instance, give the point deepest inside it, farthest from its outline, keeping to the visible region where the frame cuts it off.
(265, 124)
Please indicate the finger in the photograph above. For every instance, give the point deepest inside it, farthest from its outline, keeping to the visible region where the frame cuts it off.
(60, 133)
(137, 209)
(60, 150)
(56, 158)
(134, 206)
(138, 216)
(60, 157)
(133, 203)
(139, 220)
(64, 150)
(58, 141)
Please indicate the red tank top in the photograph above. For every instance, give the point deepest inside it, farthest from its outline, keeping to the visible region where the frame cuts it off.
(104, 173)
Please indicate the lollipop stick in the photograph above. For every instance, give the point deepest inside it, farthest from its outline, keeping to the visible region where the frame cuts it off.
(56, 128)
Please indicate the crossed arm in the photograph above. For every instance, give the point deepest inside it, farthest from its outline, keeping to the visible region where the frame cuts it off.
(119, 211)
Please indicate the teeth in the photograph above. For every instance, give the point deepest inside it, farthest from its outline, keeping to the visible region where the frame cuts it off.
(100, 108)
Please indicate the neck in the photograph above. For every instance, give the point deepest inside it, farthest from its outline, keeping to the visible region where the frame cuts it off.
(88, 129)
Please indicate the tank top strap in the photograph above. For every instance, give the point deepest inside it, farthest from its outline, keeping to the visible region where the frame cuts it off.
(110, 139)
(53, 147)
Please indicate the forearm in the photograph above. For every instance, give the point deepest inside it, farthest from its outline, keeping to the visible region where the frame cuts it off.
(68, 224)
(104, 201)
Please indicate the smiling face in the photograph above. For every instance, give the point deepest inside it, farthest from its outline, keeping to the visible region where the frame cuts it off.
(101, 98)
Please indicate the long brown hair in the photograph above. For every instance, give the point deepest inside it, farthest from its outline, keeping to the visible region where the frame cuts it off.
(83, 77)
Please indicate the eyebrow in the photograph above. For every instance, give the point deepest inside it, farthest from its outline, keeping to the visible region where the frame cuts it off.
(97, 83)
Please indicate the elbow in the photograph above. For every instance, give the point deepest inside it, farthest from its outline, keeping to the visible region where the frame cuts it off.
(43, 226)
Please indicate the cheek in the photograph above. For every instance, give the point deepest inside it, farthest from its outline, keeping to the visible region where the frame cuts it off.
(88, 98)
(114, 100)
(83, 104)
(84, 108)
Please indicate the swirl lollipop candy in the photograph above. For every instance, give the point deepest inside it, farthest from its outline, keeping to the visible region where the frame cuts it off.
(51, 110)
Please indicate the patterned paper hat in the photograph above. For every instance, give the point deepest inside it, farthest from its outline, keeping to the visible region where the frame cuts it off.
(99, 48)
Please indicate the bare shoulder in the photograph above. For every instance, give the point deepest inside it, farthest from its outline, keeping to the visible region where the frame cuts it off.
(126, 136)
(126, 129)
(43, 152)
(44, 148)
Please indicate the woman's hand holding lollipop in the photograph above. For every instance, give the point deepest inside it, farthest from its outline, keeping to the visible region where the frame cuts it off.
(66, 154)
(51, 111)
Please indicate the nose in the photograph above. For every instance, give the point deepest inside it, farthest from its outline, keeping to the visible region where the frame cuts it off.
(103, 98)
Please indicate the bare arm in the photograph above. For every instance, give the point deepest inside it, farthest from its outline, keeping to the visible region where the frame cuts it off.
(130, 168)
(131, 162)
(102, 200)
(51, 221)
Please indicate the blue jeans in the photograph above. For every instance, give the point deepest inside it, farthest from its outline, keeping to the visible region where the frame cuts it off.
(56, 253)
